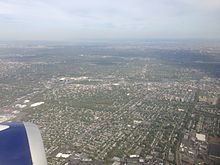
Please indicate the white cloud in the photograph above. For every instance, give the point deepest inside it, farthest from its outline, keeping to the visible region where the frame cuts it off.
(7, 8)
(204, 4)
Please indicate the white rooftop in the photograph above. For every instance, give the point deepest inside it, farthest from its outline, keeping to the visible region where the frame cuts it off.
(37, 104)
(62, 155)
(200, 137)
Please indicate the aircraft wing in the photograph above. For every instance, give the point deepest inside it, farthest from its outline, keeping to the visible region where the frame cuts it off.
(21, 144)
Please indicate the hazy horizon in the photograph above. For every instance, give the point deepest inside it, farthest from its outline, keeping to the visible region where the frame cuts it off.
(109, 20)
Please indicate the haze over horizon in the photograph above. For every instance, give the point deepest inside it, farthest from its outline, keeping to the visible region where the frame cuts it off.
(109, 19)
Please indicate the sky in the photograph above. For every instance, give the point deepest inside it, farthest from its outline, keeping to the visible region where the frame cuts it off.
(72, 20)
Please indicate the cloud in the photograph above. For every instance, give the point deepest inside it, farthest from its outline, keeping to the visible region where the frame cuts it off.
(209, 5)
(7, 8)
